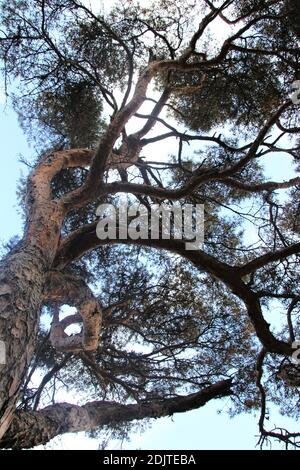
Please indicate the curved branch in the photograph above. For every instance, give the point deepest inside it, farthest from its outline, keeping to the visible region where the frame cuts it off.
(292, 130)
(201, 29)
(188, 137)
(48, 377)
(153, 117)
(39, 186)
(32, 428)
(122, 44)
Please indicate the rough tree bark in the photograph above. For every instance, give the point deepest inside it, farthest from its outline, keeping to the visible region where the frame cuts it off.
(24, 271)
(22, 277)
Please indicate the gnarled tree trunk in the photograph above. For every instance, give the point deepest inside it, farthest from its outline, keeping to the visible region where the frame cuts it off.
(21, 291)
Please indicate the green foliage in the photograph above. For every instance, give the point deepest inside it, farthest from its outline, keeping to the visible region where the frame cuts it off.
(68, 116)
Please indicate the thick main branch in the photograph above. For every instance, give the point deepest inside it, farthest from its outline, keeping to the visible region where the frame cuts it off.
(32, 428)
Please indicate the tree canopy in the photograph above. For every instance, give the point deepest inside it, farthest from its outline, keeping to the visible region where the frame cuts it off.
(157, 329)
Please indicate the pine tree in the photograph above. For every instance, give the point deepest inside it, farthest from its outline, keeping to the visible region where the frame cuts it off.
(157, 329)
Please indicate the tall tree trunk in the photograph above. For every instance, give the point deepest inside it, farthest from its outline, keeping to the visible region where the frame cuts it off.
(21, 291)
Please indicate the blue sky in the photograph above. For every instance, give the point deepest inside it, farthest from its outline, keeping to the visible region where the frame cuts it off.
(13, 144)
(199, 429)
